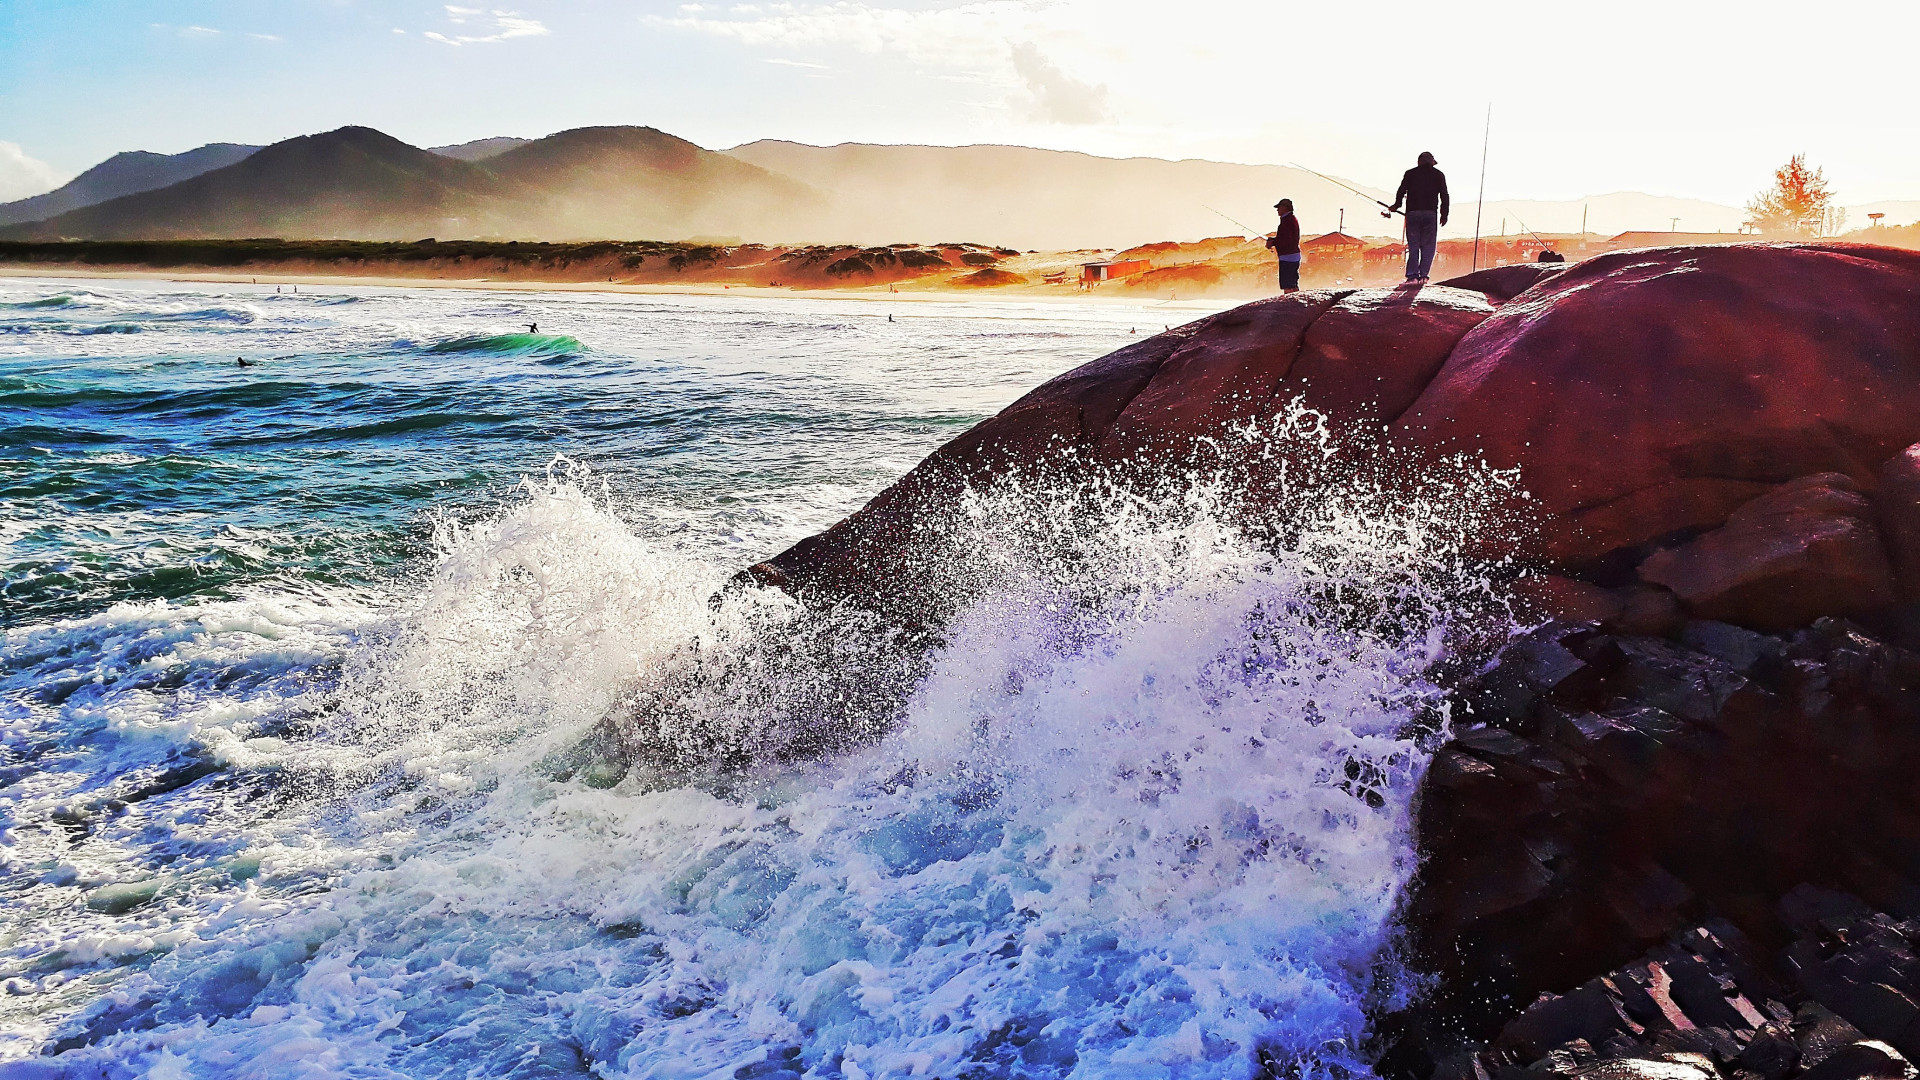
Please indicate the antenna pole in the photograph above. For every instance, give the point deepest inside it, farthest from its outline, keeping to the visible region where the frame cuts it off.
(1486, 140)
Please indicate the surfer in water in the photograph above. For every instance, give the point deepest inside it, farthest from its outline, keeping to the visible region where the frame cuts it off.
(241, 361)
(533, 328)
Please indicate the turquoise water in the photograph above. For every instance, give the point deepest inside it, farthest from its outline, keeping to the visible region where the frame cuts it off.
(299, 656)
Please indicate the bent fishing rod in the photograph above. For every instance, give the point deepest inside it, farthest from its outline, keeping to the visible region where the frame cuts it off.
(1385, 210)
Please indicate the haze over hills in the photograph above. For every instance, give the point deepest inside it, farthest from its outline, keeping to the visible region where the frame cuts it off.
(635, 183)
(125, 173)
(359, 184)
(480, 149)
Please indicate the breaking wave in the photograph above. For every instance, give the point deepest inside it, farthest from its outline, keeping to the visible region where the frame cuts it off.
(512, 345)
(1142, 808)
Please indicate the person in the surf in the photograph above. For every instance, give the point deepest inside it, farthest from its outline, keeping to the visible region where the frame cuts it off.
(241, 361)
(1424, 191)
(1285, 243)
(533, 328)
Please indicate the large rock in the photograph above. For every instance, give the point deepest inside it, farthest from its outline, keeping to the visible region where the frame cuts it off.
(1643, 395)
(1899, 499)
(1806, 549)
(1647, 392)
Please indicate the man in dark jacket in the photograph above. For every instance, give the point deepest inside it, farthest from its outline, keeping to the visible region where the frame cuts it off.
(1285, 243)
(1424, 191)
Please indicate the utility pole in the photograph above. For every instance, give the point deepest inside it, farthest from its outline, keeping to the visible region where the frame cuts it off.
(1343, 221)
(1583, 222)
(1673, 224)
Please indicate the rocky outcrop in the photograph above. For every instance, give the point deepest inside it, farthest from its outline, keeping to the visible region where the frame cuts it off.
(1808, 548)
(1644, 397)
(1611, 792)
(1650, 802)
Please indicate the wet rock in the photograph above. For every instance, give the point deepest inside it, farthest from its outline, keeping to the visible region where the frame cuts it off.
(1806, 549)
(1369, 356)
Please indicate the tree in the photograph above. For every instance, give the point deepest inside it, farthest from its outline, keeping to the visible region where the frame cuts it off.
(1798, 203)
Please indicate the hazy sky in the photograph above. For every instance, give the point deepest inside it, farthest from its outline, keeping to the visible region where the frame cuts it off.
(1666, 96)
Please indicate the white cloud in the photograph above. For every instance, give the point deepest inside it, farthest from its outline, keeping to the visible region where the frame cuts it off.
(266, 37)
(200, 31)
(22, 176)
(486, 26)
(1061, 98)
(795, 63)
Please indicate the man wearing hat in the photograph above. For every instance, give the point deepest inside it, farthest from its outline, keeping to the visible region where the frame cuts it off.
(1424, 190)
(1285, 243)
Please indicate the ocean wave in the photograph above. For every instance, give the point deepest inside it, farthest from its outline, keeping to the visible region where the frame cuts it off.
(1145, 811)
(511, 345)
(44, 302)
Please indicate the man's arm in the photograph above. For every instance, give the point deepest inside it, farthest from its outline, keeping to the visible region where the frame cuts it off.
(1446, 200)
(1399, 196)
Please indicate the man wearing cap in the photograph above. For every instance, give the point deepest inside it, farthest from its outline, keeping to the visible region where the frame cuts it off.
(1424, 190)
(1285, 243)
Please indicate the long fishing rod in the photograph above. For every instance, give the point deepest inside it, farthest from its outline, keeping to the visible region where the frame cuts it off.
(1486, 140)
(1236, 221)
(1385, 210)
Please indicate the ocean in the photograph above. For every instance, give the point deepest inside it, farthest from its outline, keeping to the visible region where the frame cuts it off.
(308, 665)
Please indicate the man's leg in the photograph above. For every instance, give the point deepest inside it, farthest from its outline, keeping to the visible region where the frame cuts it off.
(1289, 276)
(1423, 231)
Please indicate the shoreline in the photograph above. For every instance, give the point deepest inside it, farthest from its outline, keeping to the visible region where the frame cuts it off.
(867, 293)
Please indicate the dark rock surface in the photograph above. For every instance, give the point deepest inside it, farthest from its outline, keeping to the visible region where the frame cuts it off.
(1671, 799)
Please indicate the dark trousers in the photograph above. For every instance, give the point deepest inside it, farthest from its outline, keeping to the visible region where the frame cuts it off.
(1289, 274)
(1423, 234)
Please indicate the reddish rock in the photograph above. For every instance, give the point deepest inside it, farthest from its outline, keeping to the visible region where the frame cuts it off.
(1224, 371)
(1899, 503)
(1641, 394)
(1806, 549)
(1646, 392)
(1370, 355)
(1505, 282)
(1551, 596)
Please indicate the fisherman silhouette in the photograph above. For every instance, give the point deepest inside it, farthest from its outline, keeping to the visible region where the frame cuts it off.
(1424, 190)
(1285, 243)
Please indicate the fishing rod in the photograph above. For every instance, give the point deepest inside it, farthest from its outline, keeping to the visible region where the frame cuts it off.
(1245, 227)
(1385, 210)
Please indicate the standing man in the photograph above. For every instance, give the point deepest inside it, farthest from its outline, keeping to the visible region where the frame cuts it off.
(1424, 190)
(1285, 243)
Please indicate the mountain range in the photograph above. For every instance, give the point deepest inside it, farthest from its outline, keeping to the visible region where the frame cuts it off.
(638, 183)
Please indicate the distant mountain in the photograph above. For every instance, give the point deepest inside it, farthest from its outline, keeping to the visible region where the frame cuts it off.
(354, 183)
(124, 174)
(635, 183)
(1046, 199)
(1053, 199)
(359, 184)
(479, 149)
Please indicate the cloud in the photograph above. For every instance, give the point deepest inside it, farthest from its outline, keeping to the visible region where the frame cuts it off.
(22, 176)
(266, 37)
(200, 31)
(1062, 99)
(487, 26)
(796, 64)
(970, 35)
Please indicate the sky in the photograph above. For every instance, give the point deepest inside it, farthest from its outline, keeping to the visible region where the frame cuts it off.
(1671, 97)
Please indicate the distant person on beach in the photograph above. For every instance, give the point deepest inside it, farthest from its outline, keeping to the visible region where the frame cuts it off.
(1285, 243)
(1424, 190)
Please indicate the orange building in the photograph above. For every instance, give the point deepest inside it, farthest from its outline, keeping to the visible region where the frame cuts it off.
(1113, 270)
